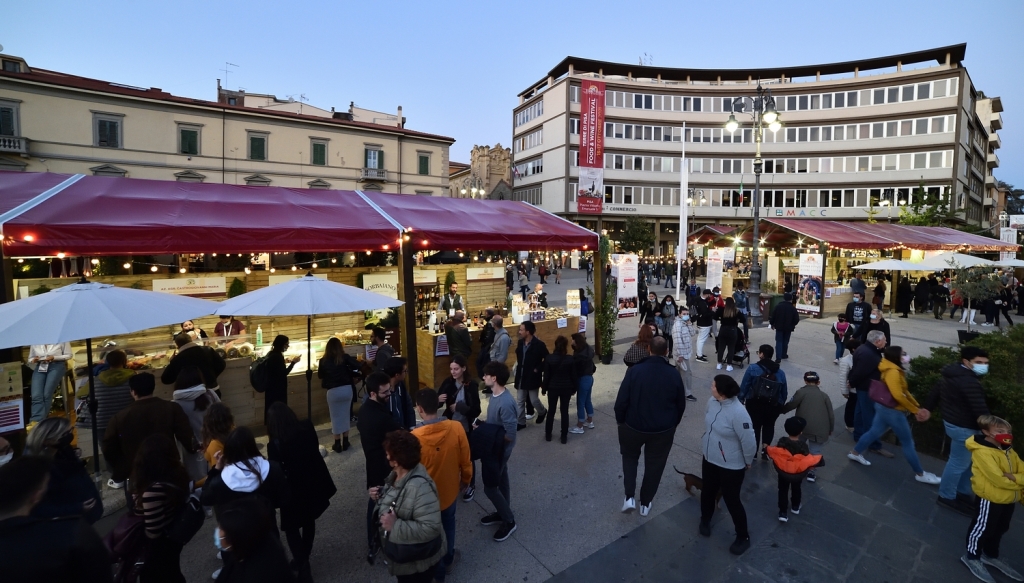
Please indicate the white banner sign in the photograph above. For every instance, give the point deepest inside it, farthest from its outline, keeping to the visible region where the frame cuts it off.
(12, 415)
(424, 276)
(714, 275)
(726, 254)
(572, 302)
(1017, 221)
(624, 270)
(192, 286)
(1008, 235)
(485, 273)
(276, 279)
(386, 284)
(808, 295)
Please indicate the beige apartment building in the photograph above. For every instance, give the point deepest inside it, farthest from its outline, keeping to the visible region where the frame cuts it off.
(857, 137)
(58, 122)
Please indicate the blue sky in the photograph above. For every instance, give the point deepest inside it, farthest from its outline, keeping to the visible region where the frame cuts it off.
(456, 67)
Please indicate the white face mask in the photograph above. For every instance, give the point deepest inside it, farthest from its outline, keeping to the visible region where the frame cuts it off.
(6, 458)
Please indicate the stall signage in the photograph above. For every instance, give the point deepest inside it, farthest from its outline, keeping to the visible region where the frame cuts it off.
(485, 273)
(714, 271)
(582, 328)
(192, 286)
(726, 254)
(562, 323)
(590, 195)
(424, 276)
(1017, 222)
(276, 279)
(1008, 235)
(386, 284)
(808, 295)
(12, 415)
(573, 303)
(441, 348)
(624, 270)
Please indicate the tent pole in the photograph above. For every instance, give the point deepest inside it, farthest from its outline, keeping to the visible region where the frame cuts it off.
(407, 293)
(309, 368)
(93, 406)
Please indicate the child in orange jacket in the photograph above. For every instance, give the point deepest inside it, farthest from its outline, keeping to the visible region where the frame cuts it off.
(792, 459)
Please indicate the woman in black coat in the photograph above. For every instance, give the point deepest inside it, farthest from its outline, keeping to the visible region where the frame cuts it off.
(241, 472)
(559, 383)
(921, 294)
(244, 530)
(277, 374)
(295, 446)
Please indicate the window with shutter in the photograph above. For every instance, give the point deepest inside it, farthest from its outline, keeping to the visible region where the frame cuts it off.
(190, 142)
(375, 159)
(107, 133)
(319, 154)
(424, 164)
(257, 148)
(6, 121)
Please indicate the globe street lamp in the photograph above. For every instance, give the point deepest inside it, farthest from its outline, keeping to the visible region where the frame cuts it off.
(476, 186)
(764, 115)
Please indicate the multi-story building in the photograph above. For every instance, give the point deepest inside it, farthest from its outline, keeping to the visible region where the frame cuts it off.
(856, 136)
(58, 122)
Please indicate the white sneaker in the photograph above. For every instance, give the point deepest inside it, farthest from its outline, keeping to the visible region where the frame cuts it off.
(219, 556)
(1002, 566)
(718, 366)
(858, 458)
(836, 361)
(628, 505)
(928, 478)
(589, 425)
(728, 368)
(216, 574)
(115, 485)
(645, 510)
(528, 416)
(576, 430)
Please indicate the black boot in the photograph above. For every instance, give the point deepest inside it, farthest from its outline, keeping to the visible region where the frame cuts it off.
(345, 444)
(337, 446)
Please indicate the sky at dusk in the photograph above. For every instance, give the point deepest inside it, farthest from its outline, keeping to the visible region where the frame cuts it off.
(456, 67)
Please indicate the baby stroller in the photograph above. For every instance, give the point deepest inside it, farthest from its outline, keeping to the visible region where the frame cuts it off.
(741, 352)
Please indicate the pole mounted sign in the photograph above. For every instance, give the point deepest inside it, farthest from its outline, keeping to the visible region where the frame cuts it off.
(590, 194)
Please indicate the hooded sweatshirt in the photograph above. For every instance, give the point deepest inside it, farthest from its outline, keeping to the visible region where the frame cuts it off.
(444, 451)
(186, 399)
(728, 439)
(988, 464)
(961, 396)
(238, 481)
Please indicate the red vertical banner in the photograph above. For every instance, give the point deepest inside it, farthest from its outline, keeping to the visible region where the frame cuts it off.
(590, 194)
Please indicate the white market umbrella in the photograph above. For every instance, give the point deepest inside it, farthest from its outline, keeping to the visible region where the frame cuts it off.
(86, 310)
(306, 296)
(1009, 263)
(952, 261)
(890, 265)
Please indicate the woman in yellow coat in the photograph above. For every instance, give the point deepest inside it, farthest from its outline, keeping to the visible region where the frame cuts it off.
(998, 479)
(895, 417)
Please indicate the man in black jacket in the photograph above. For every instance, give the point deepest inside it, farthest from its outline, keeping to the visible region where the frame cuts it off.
(705, 320)
(784, 319)
(400, 402)
(44, 549)
(194, 354)
(486, 339)
(857, 313)
(963, 400)
(876, 321)
(649, 406)
(865, 369)
(375, 422)
(530, 354)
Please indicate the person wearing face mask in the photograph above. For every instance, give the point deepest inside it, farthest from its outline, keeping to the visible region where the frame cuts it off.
(682, 349)
(998, 480)
(891, 413)
(962, 398)
(244, 529)
(876, 321)
(668, 311)
(649, 308)
(857, 313)
(71, 491)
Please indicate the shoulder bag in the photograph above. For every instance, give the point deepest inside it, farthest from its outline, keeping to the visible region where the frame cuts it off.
(409, 553)
(879, 393)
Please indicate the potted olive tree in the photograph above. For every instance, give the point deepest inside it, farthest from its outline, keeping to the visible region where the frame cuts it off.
(606, 316)
(973, 284)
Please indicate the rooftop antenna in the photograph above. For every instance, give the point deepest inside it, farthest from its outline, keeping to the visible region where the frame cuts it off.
(227, 71)
(646, 60)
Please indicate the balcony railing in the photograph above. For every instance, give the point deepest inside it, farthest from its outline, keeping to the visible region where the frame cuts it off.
(374, 174)
(16, 144)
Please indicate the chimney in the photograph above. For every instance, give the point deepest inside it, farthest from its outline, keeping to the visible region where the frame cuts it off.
(401, 120)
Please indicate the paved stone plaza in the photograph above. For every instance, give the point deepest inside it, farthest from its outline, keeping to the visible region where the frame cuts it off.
(859, 524)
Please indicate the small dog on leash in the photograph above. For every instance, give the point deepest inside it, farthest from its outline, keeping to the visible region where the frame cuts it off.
(693, 481)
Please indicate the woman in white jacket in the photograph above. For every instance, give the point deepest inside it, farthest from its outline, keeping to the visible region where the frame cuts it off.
(728, 447)
(49, 362)
(194, 398)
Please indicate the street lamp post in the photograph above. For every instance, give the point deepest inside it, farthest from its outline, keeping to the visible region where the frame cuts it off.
(764, 114)
(476, 186)
(691, 196)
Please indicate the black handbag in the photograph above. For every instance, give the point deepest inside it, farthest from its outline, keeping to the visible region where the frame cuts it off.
(408, 553)
(190, 519)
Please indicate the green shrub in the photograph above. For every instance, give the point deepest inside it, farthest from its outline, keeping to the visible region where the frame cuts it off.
(1004, 383)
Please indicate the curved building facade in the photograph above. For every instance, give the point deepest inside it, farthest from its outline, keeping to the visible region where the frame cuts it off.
(857, 139)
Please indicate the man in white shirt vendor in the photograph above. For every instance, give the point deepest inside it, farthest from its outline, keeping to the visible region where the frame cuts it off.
(50, 362)
(451, 301)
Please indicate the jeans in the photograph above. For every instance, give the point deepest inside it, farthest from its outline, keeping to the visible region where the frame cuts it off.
(656, 447)
(534, 397)
(896, 420)
(956, 477)
(524, 289)
(584, 406)
(839, 349)
(782, 344)
(669, 281)
(448, 524)
(44, 385)
(863, 417)
(501, 495)
(729, 482)
(727, 338)
(686, 374)
(762, 417)
(953, 309)
(702, 337)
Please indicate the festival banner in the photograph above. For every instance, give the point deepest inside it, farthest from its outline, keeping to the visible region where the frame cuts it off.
(714, 269)
(590, 195)
(808, 295)
(624, 271)
(1008, 235)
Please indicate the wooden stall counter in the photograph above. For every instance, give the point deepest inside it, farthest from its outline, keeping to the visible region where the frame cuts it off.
(435, 369)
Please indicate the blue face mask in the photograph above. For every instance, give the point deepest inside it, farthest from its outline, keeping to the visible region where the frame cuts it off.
(980, 369)
(686, 317)
(217, 539)
(856, 300)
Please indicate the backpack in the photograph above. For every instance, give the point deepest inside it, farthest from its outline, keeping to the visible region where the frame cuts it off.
(258, 377)
(766, 389)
